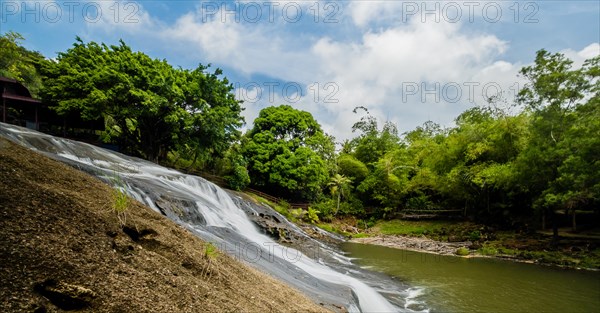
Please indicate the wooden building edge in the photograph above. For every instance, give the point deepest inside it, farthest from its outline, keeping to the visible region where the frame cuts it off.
(20, 108)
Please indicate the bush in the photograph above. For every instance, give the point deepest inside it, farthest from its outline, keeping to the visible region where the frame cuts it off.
(309, 216)
(325, 209)
(487, 250)
(474, 235)
(462, 251)
(419, 202)
(297, 214)
(239, 179)
(312, 216)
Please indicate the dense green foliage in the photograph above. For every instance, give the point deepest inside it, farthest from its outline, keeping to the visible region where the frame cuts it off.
(149, 107)
(18, 63)
(493, 166)
(562, 162)
(288, 153)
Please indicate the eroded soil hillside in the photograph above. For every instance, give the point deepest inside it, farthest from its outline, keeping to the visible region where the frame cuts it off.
(63, 248)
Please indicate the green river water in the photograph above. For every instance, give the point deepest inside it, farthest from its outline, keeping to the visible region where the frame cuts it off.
(455, 284)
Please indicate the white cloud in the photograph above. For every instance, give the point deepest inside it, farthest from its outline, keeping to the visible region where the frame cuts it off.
(365, 12)
(578, 57)
(590, 51)
(250, 49)
(369, 71)
(217, 39)
(372, 72)
(115, 16)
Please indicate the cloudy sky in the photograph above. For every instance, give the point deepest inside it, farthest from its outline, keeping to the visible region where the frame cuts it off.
(406, 61)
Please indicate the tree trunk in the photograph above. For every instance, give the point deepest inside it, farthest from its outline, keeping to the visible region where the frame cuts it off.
(338, 203)
(488, 201)
(554, 227)
(544, 219)
(574, 222)
(194, 161)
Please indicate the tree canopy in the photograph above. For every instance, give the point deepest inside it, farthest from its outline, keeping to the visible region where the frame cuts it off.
(149, 107)
(18, 63)
(493, 166)
(288, 152)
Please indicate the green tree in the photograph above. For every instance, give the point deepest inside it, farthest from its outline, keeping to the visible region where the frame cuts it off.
(478, 162)
(18, 63)
(386, 184)
(148, 106)
(352, 168)
(233, 167)
(287, 153)
(215, 117)
(339, 185)
(372, 143)
(555, 161)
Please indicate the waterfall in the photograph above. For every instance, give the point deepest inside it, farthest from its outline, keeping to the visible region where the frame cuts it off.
(211, 213)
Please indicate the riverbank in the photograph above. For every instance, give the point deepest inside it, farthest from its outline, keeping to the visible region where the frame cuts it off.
(466, 239)
(70, 242)
(419, 244)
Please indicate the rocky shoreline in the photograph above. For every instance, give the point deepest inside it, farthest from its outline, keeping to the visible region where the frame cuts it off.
(419, 244)
(426, 245)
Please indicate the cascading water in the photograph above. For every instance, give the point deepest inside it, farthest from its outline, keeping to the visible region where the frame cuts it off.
(213, 215)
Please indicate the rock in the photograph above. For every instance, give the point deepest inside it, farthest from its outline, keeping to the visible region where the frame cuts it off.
(123, 244)
(175, 208)
(66, 296)
(40, 309)
(453, 238)
(475, 246)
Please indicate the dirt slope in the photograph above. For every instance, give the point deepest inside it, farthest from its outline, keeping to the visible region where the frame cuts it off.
(62, 248)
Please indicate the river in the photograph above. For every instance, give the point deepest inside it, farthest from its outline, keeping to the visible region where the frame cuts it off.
(455, 284)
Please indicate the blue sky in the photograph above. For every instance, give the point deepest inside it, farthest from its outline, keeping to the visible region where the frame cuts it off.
(407, 61)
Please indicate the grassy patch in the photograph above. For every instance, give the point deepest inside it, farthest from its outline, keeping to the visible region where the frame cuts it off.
(120, 200)
(399, 227)
(120, 205)
(210, 251)
(591, 260)
(282, 208)
(438, 230)
(333, 229)
(488, 250)
(462, 251)
(327, 227)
